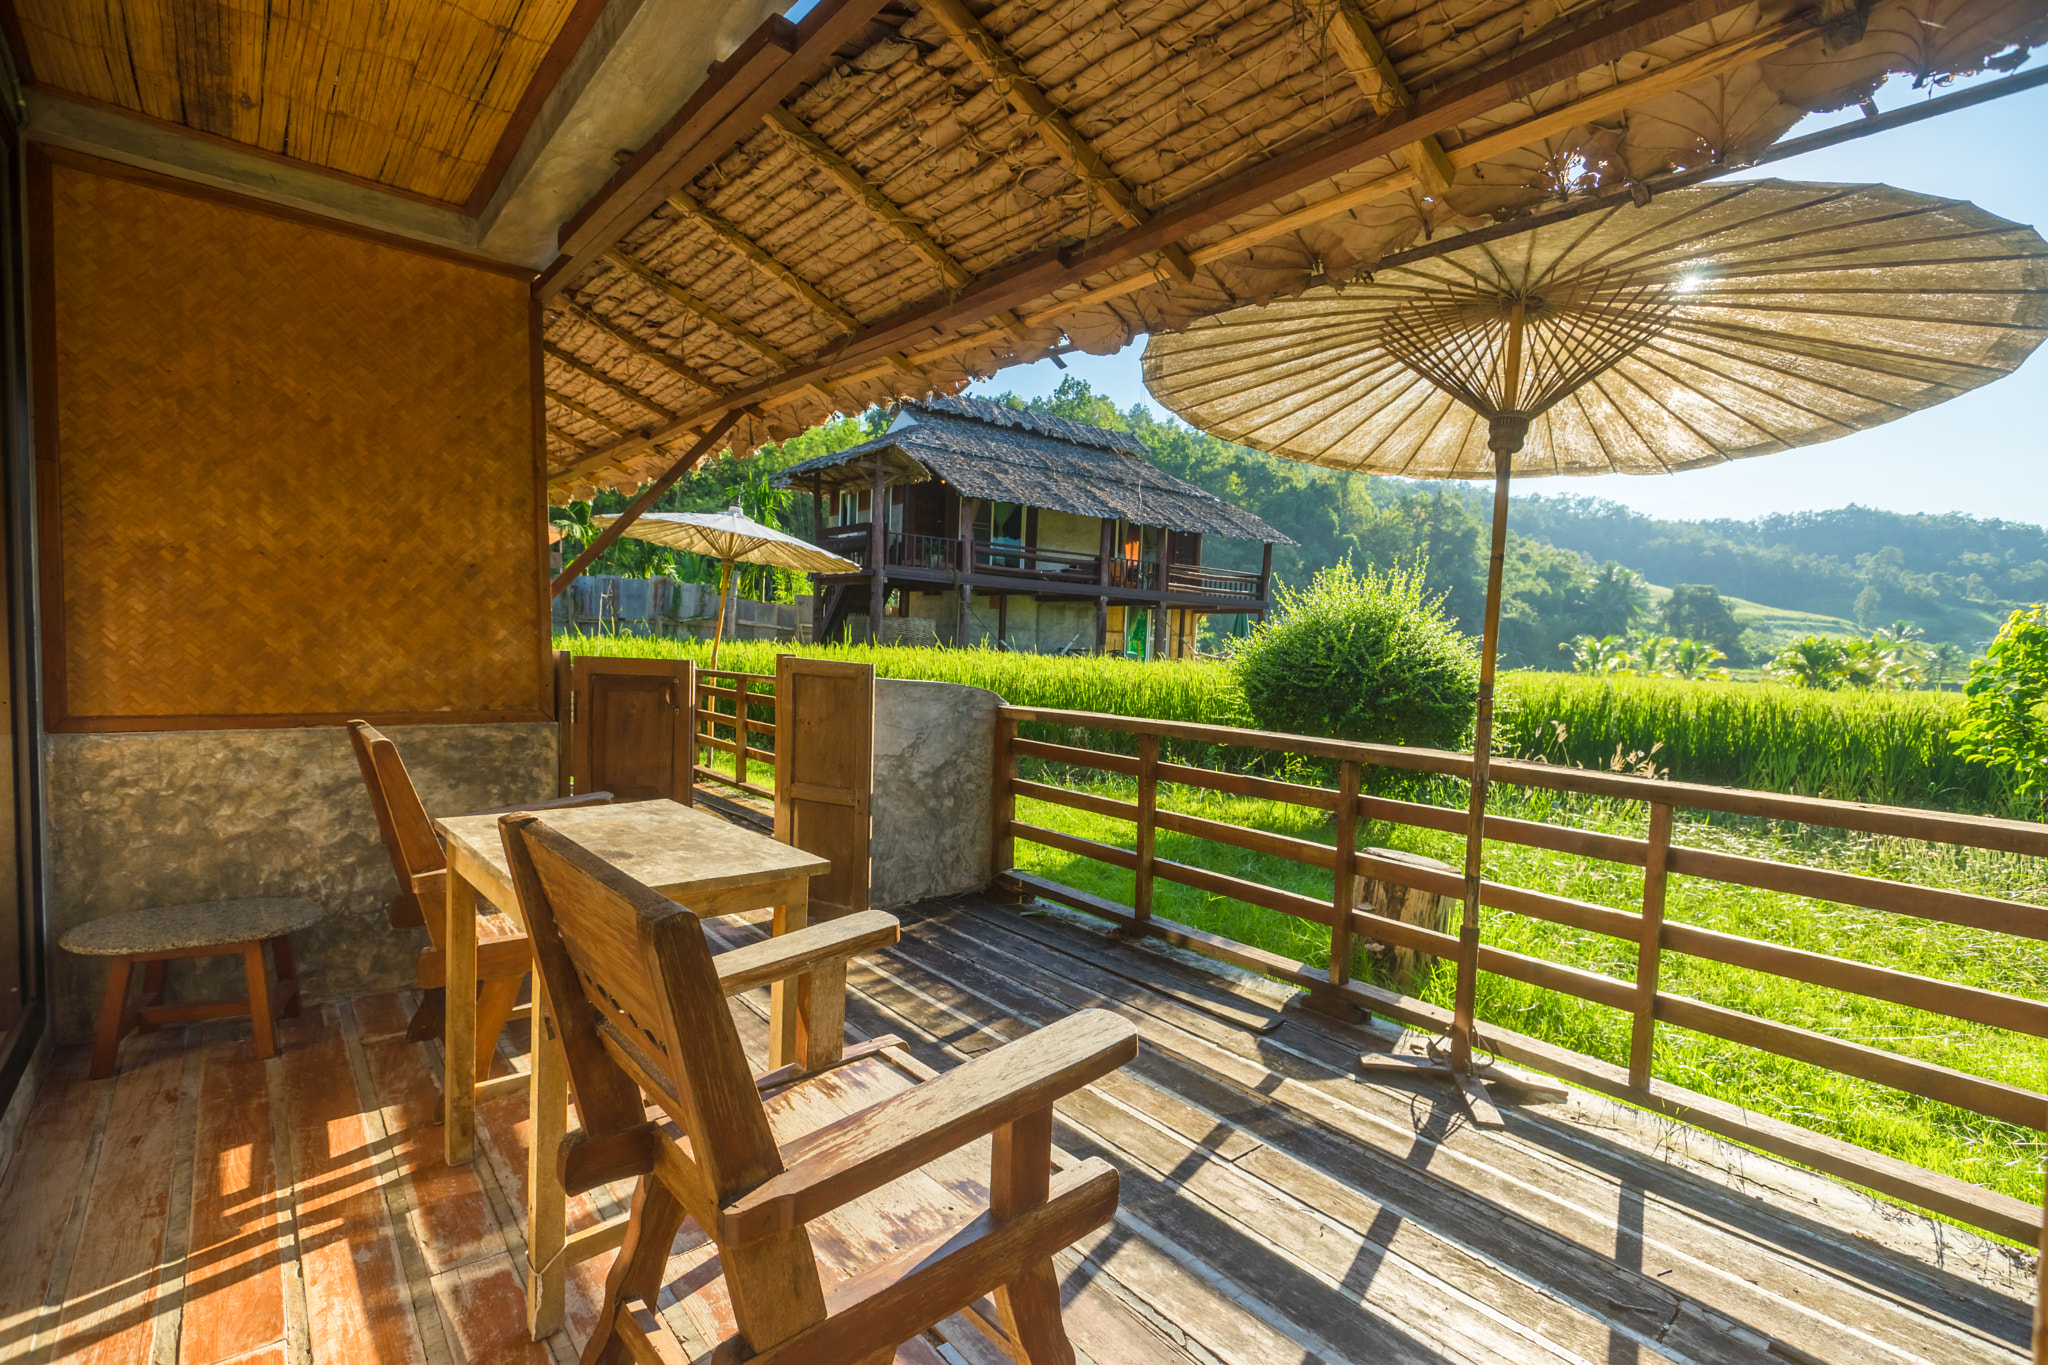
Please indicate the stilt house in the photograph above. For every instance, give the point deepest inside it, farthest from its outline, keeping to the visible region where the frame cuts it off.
(1036, 533)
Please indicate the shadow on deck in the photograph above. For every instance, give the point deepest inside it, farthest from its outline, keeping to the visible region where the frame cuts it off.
(207, 1207)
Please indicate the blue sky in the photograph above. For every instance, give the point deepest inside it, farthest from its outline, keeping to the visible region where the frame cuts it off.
(1985, 453)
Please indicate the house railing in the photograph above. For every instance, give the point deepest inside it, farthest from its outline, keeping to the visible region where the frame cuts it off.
(1067, 567)
(1647, 1004)
(1207, 582)
(734, 728)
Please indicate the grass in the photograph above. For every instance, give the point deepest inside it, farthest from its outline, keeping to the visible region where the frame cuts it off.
(1937, 1136)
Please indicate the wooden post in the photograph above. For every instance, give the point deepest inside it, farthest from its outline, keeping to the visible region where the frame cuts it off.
(965, 631)
(1101, 624)
(1266, 574)
(1343, 897)
(878, 575)
(739, 729)
(547, 1204)
(817, 509)
(1649, 950)
(1002, 845)
(565, 705)
(718, 634)
(1148, 810)
(1002, 619)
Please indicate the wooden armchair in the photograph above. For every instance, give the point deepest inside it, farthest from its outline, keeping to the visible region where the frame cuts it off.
(503, 956)
(639, 1003)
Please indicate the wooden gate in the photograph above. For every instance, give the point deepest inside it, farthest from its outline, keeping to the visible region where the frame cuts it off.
(825, 773)
(626, 726)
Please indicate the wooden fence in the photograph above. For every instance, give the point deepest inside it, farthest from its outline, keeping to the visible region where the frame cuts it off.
(1657, 856)
(734, 729)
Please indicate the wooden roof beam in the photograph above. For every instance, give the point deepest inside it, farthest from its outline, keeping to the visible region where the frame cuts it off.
(775, 61)
(751, 252)
(590, 414)
(563, 358)
(675, 365)
(581, 448)
(1583, 47)
(1002, 71)
(1360, 49)
(698, 308)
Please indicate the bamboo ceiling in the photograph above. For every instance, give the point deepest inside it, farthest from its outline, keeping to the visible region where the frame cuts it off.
(964, 188)
(414, 95)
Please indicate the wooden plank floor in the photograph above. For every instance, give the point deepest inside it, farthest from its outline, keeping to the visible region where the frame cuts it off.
(206, 1207)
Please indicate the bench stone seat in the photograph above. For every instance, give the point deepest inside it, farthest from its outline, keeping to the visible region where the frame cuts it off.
(181, 928)
(157, 936)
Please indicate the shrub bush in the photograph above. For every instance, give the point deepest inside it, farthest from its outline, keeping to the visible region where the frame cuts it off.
(1368, 657)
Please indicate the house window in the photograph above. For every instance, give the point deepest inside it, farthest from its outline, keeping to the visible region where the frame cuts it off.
(849, 508)
(1000, 523)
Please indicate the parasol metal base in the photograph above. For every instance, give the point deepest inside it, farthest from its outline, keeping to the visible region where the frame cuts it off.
(1436, 1065)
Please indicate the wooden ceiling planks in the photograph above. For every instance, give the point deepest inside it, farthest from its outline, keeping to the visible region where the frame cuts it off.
(423, 98)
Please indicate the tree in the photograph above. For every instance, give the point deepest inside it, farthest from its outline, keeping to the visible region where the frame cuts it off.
(1614, 599)
(1650, 654)
(1695, 660)
(1363, 656)
(1597, 655)
(1697, 611)
(2005, 719)
(1818, 661)
(1868, 603)
(1944, 661)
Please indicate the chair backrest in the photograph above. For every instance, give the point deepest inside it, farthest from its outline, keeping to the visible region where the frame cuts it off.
(402, 821)
(628, 978)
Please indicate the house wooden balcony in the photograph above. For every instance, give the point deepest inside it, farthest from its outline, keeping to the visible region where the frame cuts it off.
(1002, 567)
(204, 1206)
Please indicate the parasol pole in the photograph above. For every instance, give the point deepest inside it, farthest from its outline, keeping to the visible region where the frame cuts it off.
(1505, 433)
(718, 635)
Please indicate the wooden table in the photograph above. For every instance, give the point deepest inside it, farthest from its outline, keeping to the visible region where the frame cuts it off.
(693, 858)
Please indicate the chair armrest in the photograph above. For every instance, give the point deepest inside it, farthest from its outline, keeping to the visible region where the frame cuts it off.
(866, 1150)
(778, 959)
(552, 803)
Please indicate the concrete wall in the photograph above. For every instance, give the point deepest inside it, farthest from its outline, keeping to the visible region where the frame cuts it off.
(1069, 531)
(934, 762)
(171, 817)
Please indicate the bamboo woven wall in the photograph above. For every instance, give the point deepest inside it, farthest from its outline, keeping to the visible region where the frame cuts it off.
(288, 474)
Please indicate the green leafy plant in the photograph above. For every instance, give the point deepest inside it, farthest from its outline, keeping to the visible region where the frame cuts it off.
(1363, 656)
(2005, 719)
(1597, 655)
(1696, 660)
(1818, 662)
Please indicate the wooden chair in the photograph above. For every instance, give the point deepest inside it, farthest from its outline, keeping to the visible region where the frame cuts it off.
(639, 1003)
(503, 955)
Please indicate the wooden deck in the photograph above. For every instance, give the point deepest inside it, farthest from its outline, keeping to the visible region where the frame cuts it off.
(205, 1207)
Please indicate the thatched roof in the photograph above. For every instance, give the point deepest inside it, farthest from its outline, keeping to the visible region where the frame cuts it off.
(992, 451)
(950, 188)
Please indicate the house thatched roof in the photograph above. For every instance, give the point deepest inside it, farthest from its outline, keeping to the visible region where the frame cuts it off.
(898, 196)
(995, 452)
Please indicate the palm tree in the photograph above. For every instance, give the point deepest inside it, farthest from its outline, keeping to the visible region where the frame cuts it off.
(1696, 660)
(1598, 656)
(1651, 654)
(1943, 660)
(1818, 661)
(1615, 598)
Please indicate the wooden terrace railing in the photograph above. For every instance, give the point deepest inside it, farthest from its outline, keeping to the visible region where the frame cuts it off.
(1648, 1005)
(742, 725)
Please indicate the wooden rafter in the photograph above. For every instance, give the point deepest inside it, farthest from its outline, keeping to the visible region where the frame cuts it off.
(590, 414)
(675, 365)
(1585, 46)
(752, 253)
(1360, 49)
(1003, 72)
(698, 308)
(591, 372)
(581, 448)
(773, 63)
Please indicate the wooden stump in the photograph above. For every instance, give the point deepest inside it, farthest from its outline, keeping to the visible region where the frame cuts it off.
(1406, 967)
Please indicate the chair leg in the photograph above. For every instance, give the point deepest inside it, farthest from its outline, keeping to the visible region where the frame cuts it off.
(427, 1017)
(656, 1218)
(281, 954)
(495, 1001)
(258, 976)
(113, 1012)
(1020, 1176)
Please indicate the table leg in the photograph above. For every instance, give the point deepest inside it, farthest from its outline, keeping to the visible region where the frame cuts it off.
(547, 1206)
(783, 996)
(458, 1037)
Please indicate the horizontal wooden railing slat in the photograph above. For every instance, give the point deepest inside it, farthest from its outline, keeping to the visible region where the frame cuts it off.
(1074, 757)
(1304, 851)
(1068, 843)
(1073, 800)
(1237, 888)
(1244, 784)
(1870, 893)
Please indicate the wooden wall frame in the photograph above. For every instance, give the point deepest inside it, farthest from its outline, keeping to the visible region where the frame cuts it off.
(536, 699)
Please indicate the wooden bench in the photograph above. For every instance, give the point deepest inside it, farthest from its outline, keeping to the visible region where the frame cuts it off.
(214, 929)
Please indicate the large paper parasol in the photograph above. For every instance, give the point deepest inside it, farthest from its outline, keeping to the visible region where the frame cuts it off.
(732, 537)
(1712, 324)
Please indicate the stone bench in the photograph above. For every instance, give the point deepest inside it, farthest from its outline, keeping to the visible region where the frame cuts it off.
(214, 929)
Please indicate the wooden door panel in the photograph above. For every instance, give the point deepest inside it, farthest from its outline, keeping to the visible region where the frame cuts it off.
(825, 773)
(628, 728)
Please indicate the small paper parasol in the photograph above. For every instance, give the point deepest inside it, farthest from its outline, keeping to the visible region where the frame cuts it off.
(731, 537)
(1712, 324)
